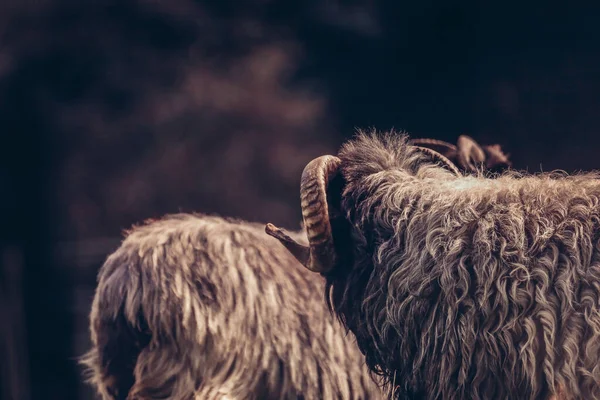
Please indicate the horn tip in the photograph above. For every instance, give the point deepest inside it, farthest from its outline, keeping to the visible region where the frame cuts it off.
(272, 230)
(278, 233)
(299, 251)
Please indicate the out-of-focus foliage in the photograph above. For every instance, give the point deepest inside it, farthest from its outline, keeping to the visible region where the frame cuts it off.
(155, 107)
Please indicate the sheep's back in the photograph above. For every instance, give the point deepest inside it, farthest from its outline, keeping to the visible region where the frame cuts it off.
(240, 311)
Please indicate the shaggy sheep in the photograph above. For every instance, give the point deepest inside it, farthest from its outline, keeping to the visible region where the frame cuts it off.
(201, 307)
(457, 287)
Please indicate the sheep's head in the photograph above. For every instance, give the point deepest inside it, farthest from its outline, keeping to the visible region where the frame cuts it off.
(321, 187)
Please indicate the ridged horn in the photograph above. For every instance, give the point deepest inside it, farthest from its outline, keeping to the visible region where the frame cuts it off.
(320, 255)
(496, 158)
(469, 154)
(440, 158)
(444, 148)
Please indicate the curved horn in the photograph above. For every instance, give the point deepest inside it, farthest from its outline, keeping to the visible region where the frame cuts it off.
(495, 157)
(320, 255)
(469, 153)
(440, 158)
(444, 148)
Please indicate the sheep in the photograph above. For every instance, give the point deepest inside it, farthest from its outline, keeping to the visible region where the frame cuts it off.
(456, 286)
(195, 306)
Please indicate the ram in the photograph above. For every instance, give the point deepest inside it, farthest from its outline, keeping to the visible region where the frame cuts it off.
(202, 307)
(456, 286)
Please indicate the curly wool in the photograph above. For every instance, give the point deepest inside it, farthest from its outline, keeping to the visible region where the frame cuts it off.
(200, 307)
(467, 287)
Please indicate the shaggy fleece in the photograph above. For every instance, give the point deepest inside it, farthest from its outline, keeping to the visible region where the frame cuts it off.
(201, 307)
(468, 287)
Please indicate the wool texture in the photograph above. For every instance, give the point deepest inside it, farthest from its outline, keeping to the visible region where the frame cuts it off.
(202, 307)
(465, 287)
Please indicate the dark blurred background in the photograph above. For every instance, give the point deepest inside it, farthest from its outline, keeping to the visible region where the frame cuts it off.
(112, 112)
